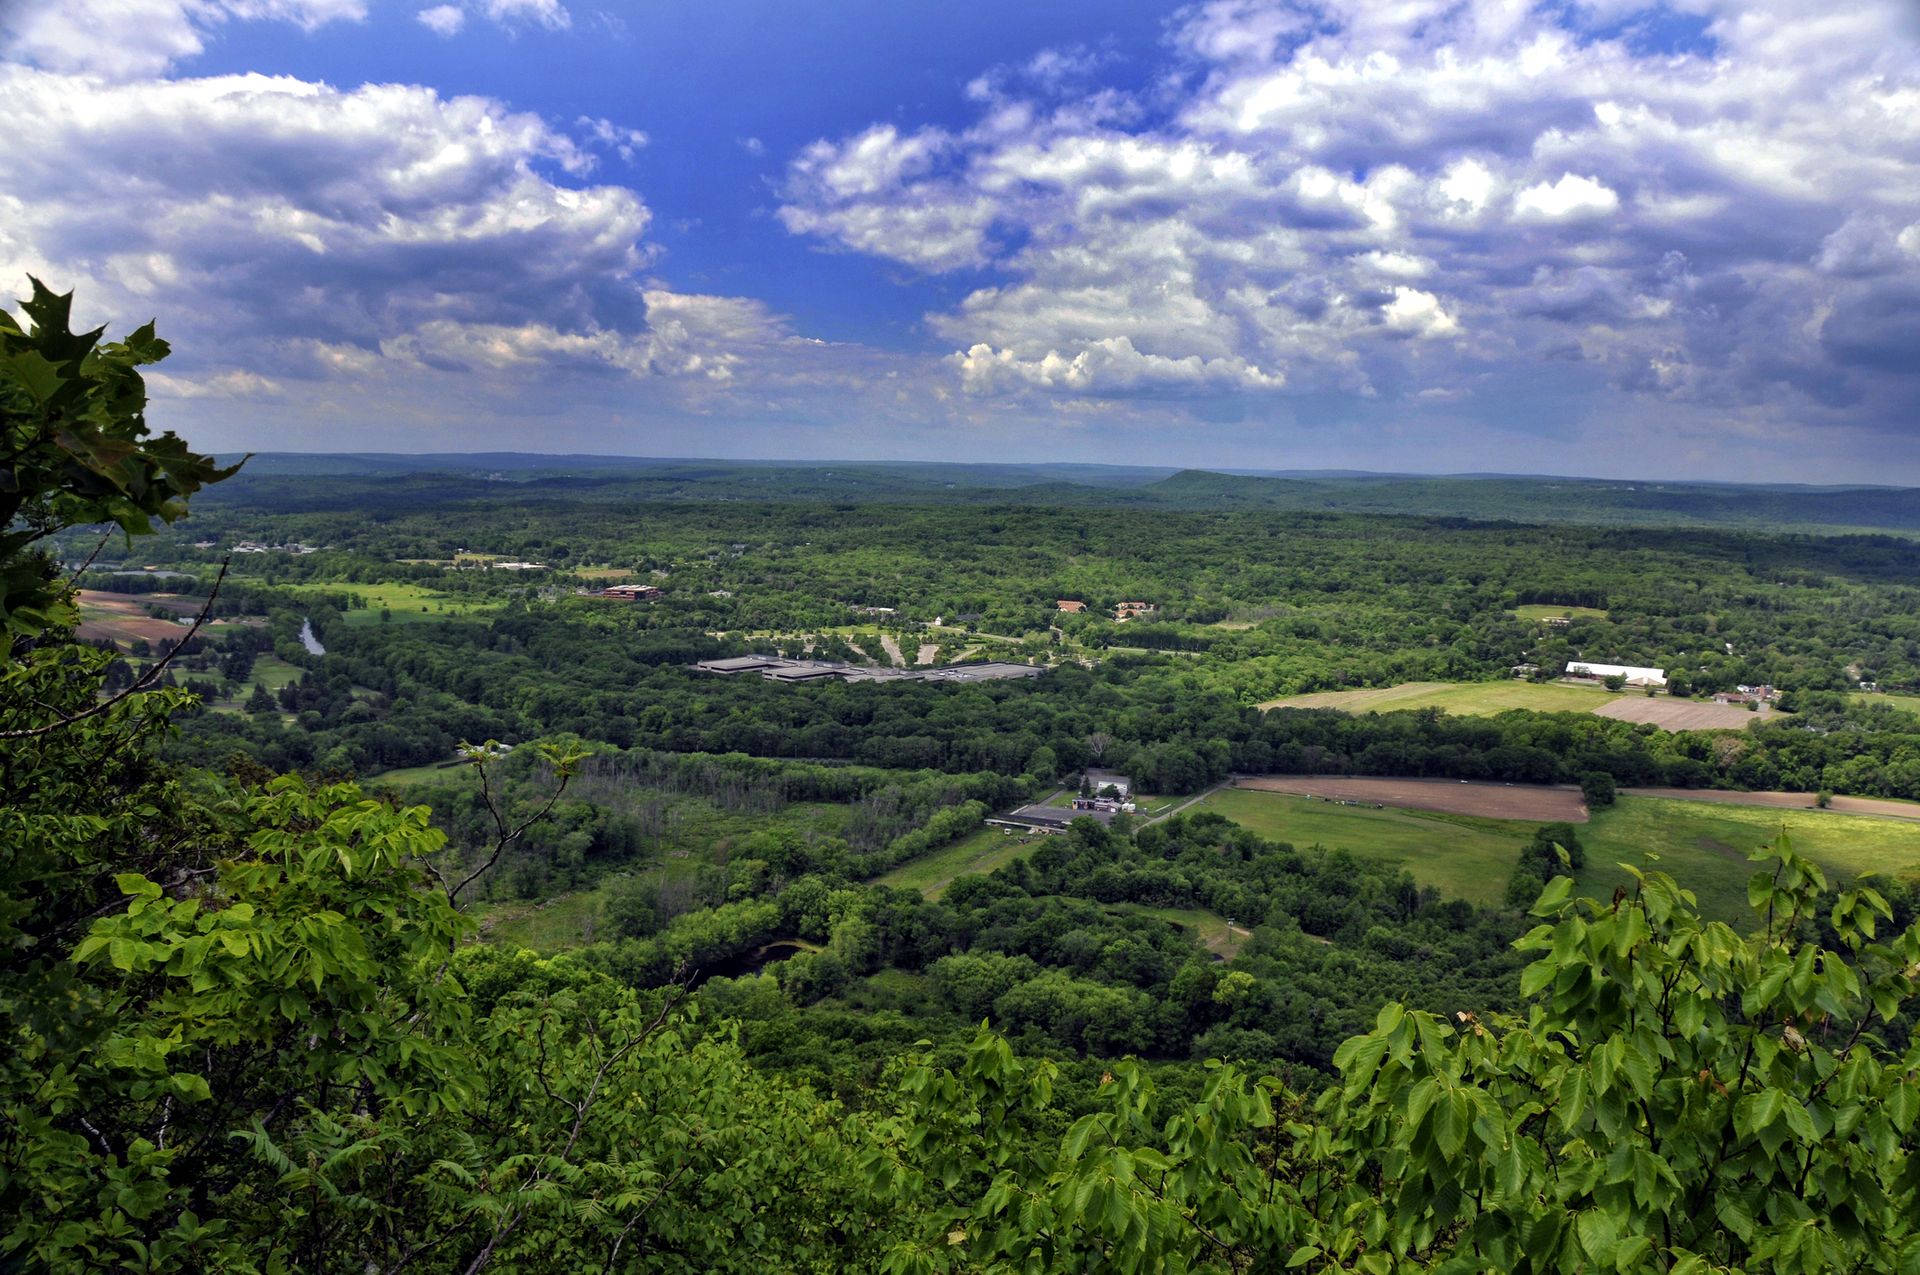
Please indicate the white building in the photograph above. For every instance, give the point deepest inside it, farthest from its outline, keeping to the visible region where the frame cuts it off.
(1635, 676)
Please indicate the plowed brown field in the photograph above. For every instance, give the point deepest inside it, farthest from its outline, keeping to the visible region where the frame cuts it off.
(1449, 796)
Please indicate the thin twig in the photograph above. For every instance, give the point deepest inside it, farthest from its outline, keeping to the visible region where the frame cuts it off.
(82, 568)
(504, 834)
(145, 679)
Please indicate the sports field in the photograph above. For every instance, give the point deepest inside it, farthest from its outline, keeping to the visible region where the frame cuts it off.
(1468, 699)
(1703, 844)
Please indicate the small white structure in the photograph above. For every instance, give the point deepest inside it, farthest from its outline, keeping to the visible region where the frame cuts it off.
(1634, 676)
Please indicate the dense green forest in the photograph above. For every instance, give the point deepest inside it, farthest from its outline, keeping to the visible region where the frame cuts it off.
(273, 820)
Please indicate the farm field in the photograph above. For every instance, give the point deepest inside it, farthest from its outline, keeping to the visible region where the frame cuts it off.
(1704, 844)
(1547, 611)
(1467, 699)
(1461, 855)
(123, 618)
(1883, 807)
(1684, 714)
(977, 853)
(1537, 802)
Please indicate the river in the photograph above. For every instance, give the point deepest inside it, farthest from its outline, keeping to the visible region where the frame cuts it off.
(308, 640)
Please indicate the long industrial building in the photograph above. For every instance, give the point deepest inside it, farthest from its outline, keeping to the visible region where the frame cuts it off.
(779, 668)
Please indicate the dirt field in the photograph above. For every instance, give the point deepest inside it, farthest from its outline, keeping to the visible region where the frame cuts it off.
(1683, 714)
(1877, 806)
(1467, 699)
(1448, 796)
(122, 617)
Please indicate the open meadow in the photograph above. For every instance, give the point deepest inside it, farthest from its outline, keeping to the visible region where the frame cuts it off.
(404, 603)
(976, 854)
(1703, 844)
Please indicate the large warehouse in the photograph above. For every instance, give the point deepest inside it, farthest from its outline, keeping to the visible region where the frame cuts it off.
(1635, 676)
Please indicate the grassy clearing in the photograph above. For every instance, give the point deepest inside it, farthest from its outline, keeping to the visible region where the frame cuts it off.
(1905, 703)
(551, 925)
(1546, 611)
(1460, 855)
(1466, 699)
(975, 854)
(407, 603)
(433, 772)
(1209, 929)
(1702, 844)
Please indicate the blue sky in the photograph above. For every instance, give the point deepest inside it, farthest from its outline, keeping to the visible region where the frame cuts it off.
(1441, 235)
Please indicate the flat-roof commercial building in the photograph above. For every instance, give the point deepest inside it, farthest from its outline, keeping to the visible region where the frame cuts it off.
(1634, 675)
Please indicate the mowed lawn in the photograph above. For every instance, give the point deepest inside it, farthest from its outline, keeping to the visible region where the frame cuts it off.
(1546, 611)
(976, 854)
(1703, 845)
(1467, 699)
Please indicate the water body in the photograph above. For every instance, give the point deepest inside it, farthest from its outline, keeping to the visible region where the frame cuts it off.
(308, 640)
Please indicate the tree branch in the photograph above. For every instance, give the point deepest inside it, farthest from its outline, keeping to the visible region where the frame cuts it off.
(145, 679)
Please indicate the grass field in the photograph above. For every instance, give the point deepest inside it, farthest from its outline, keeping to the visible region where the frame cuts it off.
(1703, 844)
(1905, 703)
(977, 853)
(1545, 611)
(408, 603)
(1468, 699)
(1464, 856)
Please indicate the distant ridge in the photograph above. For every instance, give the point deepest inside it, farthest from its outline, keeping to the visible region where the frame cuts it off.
(1477, 497)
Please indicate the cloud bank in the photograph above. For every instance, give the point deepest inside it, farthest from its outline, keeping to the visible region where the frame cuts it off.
(1707, 211)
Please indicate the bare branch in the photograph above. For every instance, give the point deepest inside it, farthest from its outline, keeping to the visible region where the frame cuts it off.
(82, 568)
(504, 834)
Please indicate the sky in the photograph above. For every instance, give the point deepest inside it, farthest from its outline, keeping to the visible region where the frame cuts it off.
(1582, 237)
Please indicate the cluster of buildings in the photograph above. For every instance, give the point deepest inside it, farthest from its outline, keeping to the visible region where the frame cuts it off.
(780, 668)
(1744, 694)
(628, 592)
(1632, 675)
(1122, 611)
(260, 546)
